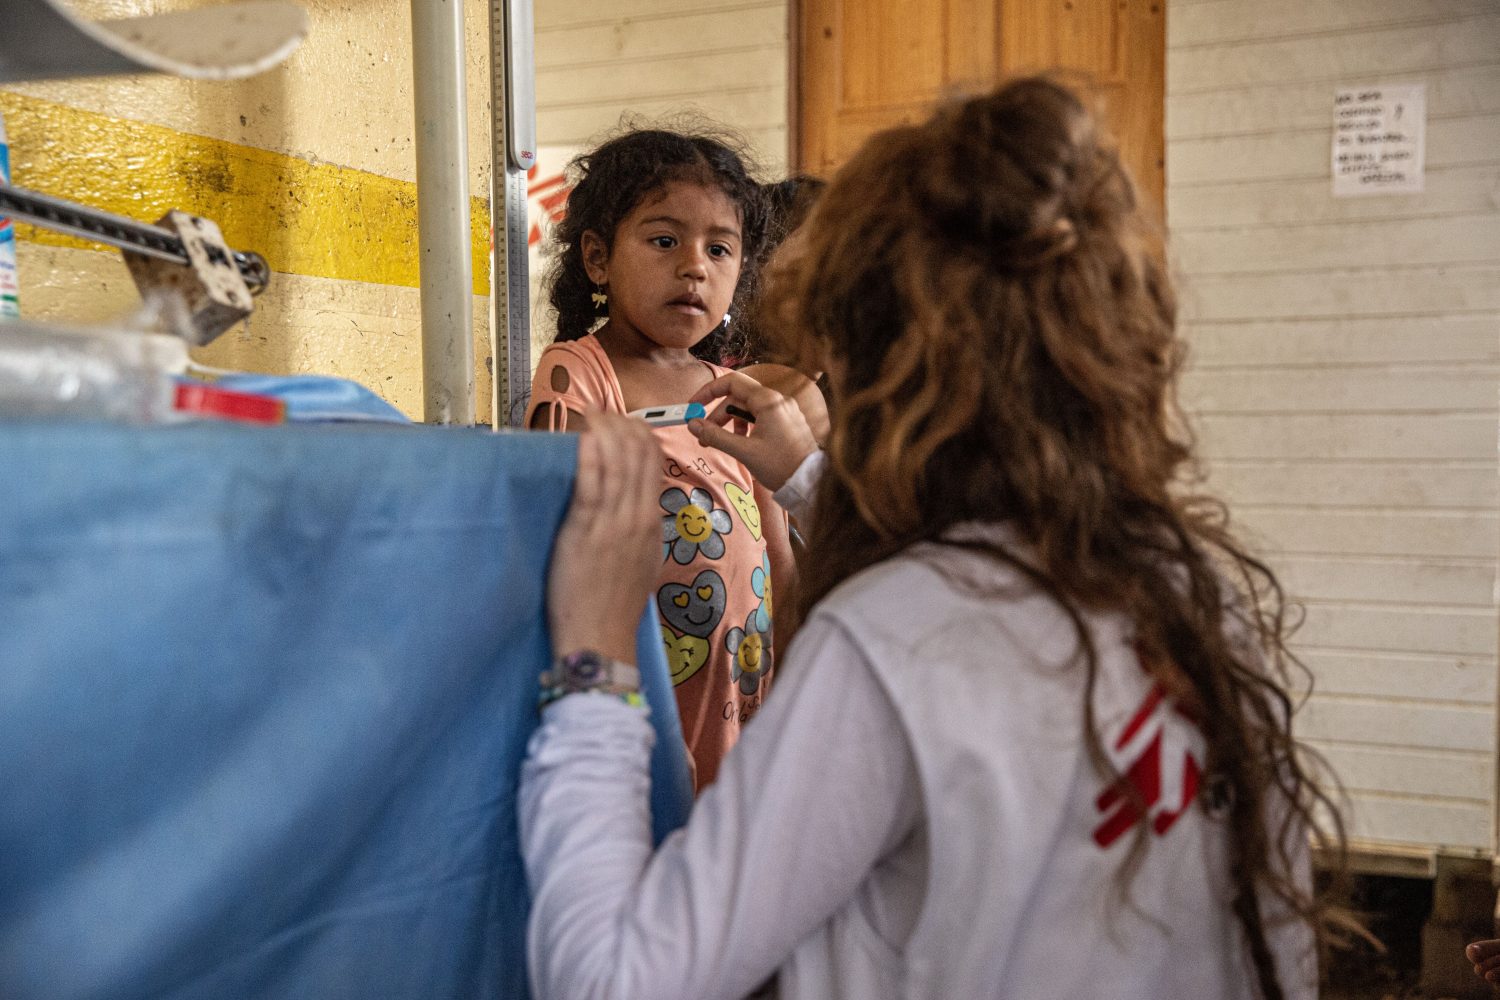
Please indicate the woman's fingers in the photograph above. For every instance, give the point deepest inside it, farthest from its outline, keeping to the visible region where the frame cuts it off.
(1486, 958)
(588, 491)
(608, 549)
(642, 476)
(798, 387)
(627, 455)
(739, 389)
(773, 446)
(713, 434)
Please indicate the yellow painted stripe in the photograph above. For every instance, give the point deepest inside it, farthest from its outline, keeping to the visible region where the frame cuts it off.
(306, 218)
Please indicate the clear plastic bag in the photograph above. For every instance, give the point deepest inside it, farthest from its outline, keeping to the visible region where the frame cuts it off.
(123, 376)
(51, 372)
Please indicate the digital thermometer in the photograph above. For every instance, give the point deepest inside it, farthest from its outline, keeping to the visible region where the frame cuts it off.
(671, 416)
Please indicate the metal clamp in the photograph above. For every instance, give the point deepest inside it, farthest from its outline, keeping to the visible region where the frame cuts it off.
(215, 282)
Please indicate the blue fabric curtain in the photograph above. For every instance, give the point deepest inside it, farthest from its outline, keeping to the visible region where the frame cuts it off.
(264, 694)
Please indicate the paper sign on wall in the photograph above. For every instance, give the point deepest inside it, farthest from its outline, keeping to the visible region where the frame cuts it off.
(1379, 139)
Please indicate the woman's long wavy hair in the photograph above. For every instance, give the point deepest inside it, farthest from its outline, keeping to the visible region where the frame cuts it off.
(621, 173)
(995, 310)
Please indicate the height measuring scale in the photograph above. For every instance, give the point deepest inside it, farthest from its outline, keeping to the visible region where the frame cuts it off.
(513, 138)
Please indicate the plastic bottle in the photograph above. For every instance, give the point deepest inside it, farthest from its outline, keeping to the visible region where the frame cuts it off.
(10, 305)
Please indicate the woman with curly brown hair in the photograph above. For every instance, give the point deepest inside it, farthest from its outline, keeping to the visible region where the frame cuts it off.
(1036, 737)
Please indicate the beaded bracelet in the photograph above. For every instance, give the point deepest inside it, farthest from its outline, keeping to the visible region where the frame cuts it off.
(551, 694)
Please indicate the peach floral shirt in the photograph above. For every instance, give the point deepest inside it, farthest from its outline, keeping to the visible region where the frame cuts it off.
(713, 596)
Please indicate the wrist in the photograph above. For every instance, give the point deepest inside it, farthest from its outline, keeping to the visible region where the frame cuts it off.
(590, 671)
(789, 468)
(796, 493)
(619, 648)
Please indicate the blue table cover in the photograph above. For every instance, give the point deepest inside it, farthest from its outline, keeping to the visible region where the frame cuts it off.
(264, 694)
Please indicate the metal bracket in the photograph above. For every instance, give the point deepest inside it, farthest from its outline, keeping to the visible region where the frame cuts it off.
(139, 238)
(211, 289)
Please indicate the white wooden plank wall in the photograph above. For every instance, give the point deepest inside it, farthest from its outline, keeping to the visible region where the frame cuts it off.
(1344, 375)
(724, 58)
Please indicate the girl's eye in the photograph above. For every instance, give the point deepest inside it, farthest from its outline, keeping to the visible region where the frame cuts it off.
(664, 242)
(721, 250)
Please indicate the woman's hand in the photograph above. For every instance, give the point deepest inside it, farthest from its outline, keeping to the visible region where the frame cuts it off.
(802, 390)
(608, 551)
(773, 446)
(1486, 958)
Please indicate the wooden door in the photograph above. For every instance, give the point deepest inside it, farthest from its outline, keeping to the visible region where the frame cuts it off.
(864, 65)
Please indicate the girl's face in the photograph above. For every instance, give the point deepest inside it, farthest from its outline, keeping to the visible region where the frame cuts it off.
(675, 262)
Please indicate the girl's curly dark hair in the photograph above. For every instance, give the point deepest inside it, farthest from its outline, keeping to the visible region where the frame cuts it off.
(788, 203)
(614, 178)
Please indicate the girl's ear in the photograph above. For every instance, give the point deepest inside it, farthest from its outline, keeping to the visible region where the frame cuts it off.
(595, 257)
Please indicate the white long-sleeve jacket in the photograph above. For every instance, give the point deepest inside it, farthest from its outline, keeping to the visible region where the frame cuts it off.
(912, 815)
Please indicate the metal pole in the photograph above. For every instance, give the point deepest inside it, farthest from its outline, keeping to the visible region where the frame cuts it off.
(437, 30)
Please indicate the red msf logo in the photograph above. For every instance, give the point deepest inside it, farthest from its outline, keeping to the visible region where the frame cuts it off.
(1162, 771)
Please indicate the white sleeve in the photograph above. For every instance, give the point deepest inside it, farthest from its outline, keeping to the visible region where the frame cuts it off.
(796, 494)
(725, 900)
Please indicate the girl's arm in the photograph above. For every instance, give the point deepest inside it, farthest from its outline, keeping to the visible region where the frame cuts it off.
(773, 849)
(557, 416)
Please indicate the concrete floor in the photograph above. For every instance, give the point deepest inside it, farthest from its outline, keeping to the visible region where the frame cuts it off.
(1395, 910)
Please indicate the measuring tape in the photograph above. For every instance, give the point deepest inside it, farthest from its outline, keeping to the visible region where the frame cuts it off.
(513, 153)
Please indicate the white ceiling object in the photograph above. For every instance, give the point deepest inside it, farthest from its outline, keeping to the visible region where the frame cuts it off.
(45, 39)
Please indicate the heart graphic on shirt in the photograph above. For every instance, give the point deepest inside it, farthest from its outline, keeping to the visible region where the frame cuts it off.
(686, 654)
(744, 505)
(694, 609)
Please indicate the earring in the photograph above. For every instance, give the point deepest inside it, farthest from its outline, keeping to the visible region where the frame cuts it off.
(600, 297)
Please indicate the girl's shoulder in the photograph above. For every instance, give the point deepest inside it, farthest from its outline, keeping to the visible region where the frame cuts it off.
(577, 373)
(586, 349)
(718, 371)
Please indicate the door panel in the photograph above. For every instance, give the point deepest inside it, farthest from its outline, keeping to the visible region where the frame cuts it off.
(869, 65)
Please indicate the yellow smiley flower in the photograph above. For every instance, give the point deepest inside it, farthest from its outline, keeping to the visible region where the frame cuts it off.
(752, 655)
(692, 525)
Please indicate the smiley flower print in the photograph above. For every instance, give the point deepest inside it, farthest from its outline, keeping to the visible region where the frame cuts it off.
(752, 655)
(760, 583)
(692, 525)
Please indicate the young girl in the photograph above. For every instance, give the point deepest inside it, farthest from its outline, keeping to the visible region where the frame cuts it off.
(1035, 740)
(661, 240)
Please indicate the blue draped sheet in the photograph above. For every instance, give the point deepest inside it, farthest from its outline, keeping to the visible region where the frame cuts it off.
(264, 694)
